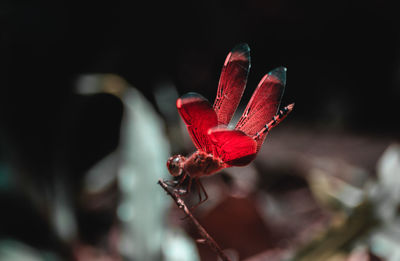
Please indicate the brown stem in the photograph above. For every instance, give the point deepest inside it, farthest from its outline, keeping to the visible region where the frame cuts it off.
(181, 204)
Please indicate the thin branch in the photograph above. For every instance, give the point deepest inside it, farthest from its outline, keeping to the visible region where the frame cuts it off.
(181, 204)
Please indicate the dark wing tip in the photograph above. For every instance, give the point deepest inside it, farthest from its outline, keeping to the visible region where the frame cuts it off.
(192, 95)
(280, 74)
(242, 48)
(188, 98)
(241, 52)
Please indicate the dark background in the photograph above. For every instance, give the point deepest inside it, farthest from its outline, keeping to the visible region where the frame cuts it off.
(342, 57)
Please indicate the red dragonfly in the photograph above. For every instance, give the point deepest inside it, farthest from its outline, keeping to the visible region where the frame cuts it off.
(219, 147)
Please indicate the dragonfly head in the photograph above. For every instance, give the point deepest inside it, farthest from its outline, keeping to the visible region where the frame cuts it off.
(175, 165)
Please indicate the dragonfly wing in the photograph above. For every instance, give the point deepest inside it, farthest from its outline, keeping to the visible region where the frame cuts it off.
(234, 147)
(264, 104)
(232, 83)
(199, 116)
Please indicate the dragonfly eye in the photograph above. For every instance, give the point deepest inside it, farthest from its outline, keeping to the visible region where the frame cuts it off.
(175, 165)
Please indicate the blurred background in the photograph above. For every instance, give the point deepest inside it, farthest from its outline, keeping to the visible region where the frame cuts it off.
(88, 120)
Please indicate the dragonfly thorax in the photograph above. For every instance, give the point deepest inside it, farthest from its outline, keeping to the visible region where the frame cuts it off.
(201, 163)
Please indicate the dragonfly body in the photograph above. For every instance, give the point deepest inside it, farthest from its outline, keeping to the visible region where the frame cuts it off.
(200, 164)
(219, 147)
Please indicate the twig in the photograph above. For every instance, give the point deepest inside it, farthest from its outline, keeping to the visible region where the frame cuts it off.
(181, 204)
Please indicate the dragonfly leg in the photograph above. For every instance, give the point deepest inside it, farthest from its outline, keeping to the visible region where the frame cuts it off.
(177, 185)
(184, 192)
(200, 189)
(171, 182)
(203, 189)
(275, 121)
